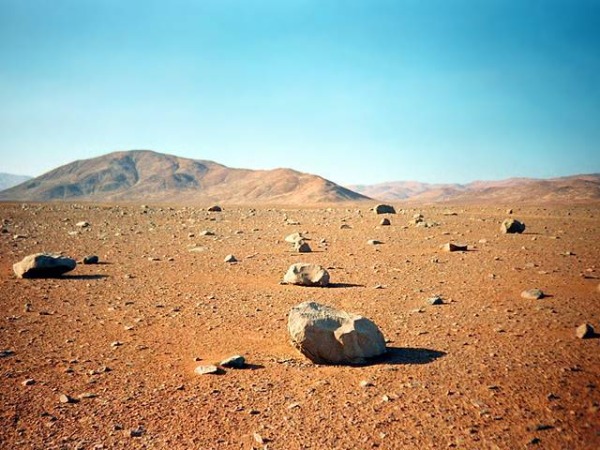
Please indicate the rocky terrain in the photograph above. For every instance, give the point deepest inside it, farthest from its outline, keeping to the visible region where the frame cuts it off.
(148, 176)
(105, 356)
(566, 190)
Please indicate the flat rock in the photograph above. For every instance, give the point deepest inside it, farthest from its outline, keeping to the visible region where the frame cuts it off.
(206, 370)
(584, 331)
(450, 247)
(215, 208)
(43, 265)
(305, 274)
(510, 226)
(532, 294)
(384, 209)
(329, 336)
(234, 362)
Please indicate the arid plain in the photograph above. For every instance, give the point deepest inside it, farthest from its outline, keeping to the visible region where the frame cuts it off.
(486, 369)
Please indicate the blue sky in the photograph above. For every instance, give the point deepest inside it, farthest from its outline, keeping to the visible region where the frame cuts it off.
(356, 91)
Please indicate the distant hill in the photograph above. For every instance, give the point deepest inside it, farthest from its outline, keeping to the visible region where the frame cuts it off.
(8, 180)
(571, 189)
(148, 176)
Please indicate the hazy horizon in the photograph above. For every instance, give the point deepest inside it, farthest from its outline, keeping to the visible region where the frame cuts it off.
(357, 92)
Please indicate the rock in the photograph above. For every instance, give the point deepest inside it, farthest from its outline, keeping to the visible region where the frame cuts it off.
(512, 226)
(215, 208)
(295, 237)
(450, 247)
(384, 209)
(374, 242)
(345, 226)
(435, 300)
(91, 259)
(584, 331)
(304, 274)
(234, 362)
(385, 222)
(230, 259)
(28, 382)
(43, 265)
(509, 211)
(206, 370)
(532, 294)
(207, 233)
(366, 383)
(328, 336)
(64, 398)
(82, 224)
(302, 247)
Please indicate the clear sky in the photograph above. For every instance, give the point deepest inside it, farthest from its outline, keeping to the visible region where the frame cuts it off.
(356, 91)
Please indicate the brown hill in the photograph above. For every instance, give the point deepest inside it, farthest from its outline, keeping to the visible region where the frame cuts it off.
(143, 175)
(564, 190)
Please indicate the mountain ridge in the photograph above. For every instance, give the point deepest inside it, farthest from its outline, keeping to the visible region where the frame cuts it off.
(147, 175)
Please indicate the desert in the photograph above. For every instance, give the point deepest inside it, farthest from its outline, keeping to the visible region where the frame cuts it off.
(104, 356)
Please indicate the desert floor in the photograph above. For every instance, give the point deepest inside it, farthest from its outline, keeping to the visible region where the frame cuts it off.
(487, 369)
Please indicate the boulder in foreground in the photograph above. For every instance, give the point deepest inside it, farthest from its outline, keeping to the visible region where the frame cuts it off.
(510, 226)
(329, 336)
(304, 274)
(43, 265)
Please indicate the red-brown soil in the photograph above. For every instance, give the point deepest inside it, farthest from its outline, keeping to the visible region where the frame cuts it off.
(488, 369)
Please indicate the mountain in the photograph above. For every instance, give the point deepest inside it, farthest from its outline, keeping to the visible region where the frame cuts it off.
(571, 189)
(8, 180)
(148, 176)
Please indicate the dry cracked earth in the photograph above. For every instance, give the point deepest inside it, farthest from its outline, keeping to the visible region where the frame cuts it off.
(487, 369)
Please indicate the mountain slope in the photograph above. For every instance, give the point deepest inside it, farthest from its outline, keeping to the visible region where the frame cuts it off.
(576, 189)
(8, 180)
(144, 175)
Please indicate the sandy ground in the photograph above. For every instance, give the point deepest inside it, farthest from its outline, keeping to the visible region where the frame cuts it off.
(487, 369)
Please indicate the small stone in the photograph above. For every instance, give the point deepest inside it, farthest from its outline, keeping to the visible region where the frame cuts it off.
(116, 344)
(532, 294)
(91, 259)
(345, 226)
(302, 247)
(215, 208)
(366, 383)
(206, 370)
(234, 362)
(82, 224)
(207, 233)
(230, 259)
(64, 398)
(435, 300)
(450, 247)
(374, 242)
(259, 439)
(510, 226)
(584, 331)
(305, 274)
(136, 432)
(28, 382)
(385, 222)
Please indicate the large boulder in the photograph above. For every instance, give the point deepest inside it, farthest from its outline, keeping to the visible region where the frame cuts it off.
(384, 209)
(329, 336)
(510, 226)
(43, 265)
(305, 274)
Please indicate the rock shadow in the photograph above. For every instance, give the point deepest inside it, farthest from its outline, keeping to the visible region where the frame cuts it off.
(398, 355)
(344, 285)
(82, 277)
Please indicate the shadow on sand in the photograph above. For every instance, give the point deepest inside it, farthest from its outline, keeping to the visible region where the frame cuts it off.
(344, 285)
(398, 355)
(83, 277)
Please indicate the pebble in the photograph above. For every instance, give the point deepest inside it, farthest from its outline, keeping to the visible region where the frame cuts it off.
(584, 331)
(532, 294)
(64, 398)
(28, 382)
(366, 383)
(435, 300)
(450, 247)
(230, 259)
(91, 259)
(374, 242)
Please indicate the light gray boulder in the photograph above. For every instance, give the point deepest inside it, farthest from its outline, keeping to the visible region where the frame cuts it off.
(510, 226)
(43, 265)
(304, 274)
(329, 336)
